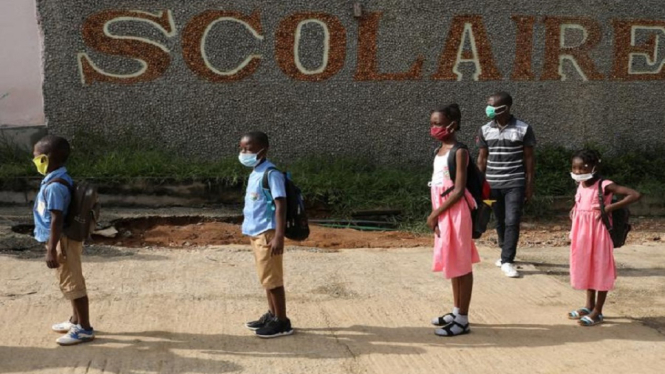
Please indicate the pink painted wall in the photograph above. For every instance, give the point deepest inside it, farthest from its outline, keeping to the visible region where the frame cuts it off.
(21, 99)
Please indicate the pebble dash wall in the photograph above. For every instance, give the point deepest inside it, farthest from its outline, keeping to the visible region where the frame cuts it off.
(352, 77)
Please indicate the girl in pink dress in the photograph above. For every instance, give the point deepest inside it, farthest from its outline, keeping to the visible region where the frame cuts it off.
(454, 249)
(592, 265)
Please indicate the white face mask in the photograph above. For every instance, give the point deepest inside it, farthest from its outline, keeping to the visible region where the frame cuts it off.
(583, 177)
(249, 159)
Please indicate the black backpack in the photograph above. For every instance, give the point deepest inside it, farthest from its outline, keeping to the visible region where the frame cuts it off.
(477, 186)
(616, 221)
(83, 213)
(297, 227)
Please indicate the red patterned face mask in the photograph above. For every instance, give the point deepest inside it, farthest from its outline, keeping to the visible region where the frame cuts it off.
(440, 133)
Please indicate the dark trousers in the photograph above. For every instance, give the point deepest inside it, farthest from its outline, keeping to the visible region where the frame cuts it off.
(508, 214)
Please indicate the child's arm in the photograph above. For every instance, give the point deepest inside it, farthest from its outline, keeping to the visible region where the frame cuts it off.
(277, 243)
(629, 196)
(57, 221)
(457, 193)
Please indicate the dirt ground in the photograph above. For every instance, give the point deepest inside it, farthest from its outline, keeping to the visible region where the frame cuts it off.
(173, 299)
(189, 232)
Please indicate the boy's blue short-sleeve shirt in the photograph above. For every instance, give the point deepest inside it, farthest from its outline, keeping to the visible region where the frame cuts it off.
(54, 196)
(258, 219)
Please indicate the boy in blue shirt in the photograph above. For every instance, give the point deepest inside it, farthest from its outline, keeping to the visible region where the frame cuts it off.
(265, 227)
(64, 255)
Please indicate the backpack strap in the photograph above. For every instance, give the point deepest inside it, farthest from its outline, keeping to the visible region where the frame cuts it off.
(601, 199)
(59, 181)
(452, 169)
(452, 165)
(265, 186)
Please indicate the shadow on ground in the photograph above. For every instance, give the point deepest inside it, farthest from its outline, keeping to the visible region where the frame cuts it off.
(155, 351)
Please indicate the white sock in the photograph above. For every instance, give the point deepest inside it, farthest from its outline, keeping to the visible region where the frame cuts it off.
(462, 319)
(447, 318)
(454, 329)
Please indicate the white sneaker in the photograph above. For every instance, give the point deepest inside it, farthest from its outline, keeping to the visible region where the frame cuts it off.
(498, 263)
(62, 327)
(76, 335)
(509, 270)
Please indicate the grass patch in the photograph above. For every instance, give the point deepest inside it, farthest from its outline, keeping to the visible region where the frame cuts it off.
(343, 185)
(347, 185)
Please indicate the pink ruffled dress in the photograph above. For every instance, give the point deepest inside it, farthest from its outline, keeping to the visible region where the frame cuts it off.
(592, 264)
(454, 250)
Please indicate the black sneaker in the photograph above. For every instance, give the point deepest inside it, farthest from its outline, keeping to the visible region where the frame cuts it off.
(261, 322)
(275, 328)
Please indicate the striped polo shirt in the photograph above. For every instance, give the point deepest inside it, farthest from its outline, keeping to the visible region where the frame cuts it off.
(505, 162)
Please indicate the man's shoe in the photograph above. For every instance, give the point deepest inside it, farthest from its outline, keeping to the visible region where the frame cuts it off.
(62, 327)
(275, 328)
(509, 270)
(77, 335)
(498, 263)
(261, 322)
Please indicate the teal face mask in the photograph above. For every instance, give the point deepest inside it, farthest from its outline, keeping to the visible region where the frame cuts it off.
(491, 111)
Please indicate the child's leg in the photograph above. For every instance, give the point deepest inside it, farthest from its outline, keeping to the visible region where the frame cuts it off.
(81, 308)
(460, 323)
(271, 305)
(600, 302)
(270, 272)
(74, 318)
(596, 308)
(456, 296)
(71, 280)
(590, 299)
(466, 288)
(448, 317)
(277, 297)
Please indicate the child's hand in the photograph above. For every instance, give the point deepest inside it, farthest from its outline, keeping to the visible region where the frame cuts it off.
(52, 258)
(572, 213)
(597, 213)
(433, 223)
(277, 246)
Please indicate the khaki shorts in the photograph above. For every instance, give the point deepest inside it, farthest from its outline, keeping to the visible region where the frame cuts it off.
(70, 273)
(268, 267)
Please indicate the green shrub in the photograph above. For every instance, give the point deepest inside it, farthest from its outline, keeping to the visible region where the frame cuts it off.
(343, 185)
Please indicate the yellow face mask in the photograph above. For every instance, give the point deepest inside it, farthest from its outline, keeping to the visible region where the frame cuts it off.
(41, 162)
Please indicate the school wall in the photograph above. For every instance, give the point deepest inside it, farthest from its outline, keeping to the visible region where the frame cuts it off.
(321, 80)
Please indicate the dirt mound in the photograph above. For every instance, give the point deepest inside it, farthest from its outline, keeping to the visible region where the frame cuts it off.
(182, 232)
(186, 232)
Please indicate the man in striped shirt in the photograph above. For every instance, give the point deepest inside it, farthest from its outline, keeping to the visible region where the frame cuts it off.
(506, 157)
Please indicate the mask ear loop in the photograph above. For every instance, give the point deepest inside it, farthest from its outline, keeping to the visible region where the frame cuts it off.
(503, 111)
(42, 159)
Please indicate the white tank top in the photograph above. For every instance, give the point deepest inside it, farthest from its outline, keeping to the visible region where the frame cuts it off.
(440, 174)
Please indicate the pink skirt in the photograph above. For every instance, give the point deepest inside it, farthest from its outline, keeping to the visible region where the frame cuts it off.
(454, 250)
(592, 264)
